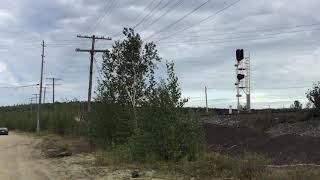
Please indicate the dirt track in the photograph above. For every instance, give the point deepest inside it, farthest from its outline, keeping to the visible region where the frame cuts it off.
(20, 159)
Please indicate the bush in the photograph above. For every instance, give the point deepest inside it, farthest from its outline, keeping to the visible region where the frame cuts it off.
(110, 124)
(164, 131)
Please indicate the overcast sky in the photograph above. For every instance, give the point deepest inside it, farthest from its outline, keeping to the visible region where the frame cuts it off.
(200, 36)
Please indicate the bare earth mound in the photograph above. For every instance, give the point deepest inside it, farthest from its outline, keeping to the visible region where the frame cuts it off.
(282, 149)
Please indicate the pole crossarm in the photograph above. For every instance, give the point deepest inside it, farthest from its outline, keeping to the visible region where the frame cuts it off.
(92, 52)
(95, 37)
(89, 50)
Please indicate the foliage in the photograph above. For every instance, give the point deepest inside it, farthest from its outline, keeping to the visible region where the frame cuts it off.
(313, 95)
(165, 130)
(127, 69)
(60, 119)
(144, 113)
(109, 124)
(296, 105)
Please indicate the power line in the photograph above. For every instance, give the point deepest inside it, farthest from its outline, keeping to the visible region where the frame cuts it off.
(154, 14)
(103, 15)
(203, 20)
(214, 41)
(147, 15)
(178, 3)
(241, 37)
(136, 17)
(20, 86)
(267, 30)
(179, 20)
(98, 69)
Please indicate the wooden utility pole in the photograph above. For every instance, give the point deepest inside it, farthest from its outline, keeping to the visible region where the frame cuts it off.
(35, 98)
(44, 94)
(53, 87)
(31, 103)
(40, 90)
(92, 51)
(205, 91)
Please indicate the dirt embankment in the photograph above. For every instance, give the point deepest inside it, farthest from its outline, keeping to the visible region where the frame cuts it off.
(282, 149)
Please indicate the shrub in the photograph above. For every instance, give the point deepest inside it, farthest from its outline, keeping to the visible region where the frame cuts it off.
(109, 124)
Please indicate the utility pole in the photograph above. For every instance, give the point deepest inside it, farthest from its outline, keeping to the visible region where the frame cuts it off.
(40, 90)
(92, 51)
(44, 94)
(31, 103)
(205, 91)
(53, 87)
(35, 98)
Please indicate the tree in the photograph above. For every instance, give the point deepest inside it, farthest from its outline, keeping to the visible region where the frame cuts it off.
(128, 72)
(296, 105)
(313, 95)
(129, 91)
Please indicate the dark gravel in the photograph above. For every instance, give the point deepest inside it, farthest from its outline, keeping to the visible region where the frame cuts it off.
(282, 149)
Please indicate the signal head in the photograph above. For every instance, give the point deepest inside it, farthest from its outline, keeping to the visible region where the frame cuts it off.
(239, 55)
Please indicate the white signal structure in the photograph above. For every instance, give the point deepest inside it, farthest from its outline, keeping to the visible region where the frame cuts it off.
(243, 79)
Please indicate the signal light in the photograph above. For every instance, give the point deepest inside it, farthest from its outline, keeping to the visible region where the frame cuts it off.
(240, 76)
(239, 54)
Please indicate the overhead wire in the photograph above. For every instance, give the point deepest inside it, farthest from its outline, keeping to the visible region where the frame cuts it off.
(177, 4)
(136, 17)
(99, 71)
(201, 21)
(107, 12)
(229, 40)
(19, 86)
(179, 20)
(267, 30)
(147, 15)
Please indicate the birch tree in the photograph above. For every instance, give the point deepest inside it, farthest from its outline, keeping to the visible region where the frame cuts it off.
(128, 71)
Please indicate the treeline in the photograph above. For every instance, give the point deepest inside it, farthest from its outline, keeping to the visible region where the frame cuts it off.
(62, 118)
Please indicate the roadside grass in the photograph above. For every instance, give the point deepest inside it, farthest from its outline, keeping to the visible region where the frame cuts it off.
(297, 173)
(207, 166)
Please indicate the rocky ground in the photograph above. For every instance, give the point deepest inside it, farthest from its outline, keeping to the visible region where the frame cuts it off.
(304, 128)
(282, 149)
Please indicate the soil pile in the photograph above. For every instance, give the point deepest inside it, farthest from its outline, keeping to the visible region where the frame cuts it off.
(289, 148)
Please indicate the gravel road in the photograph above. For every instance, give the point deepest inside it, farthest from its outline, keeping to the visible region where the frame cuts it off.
(20, 159)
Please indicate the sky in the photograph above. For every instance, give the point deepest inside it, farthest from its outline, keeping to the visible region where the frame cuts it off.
(282, 38)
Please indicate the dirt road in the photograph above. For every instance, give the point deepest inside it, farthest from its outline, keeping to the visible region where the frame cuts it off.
(20, 159)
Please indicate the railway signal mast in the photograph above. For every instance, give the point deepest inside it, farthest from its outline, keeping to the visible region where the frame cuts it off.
(243, 79)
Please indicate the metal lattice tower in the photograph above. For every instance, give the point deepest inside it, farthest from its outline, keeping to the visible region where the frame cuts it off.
(243, 81)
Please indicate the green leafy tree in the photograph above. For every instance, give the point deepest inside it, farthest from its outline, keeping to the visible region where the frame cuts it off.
(160, 128)
(128, 72)
(313, 95)
(296, 105)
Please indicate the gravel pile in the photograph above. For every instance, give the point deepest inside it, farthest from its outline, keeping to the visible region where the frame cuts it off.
(304, 128)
